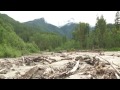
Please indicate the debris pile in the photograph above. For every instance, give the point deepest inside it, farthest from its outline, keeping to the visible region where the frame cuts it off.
(45, 67)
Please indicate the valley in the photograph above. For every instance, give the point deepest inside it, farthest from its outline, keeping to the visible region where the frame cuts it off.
(37, 49)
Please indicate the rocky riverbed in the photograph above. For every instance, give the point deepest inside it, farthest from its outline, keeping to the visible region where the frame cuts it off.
(62, 65)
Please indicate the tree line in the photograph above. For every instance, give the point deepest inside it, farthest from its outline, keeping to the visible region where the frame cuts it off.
(18, 39)
(103, 36)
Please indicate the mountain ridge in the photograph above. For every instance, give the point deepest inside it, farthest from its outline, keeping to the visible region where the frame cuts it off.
(65, 30)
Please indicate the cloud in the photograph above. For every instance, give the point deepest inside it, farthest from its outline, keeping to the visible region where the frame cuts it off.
(59, 18)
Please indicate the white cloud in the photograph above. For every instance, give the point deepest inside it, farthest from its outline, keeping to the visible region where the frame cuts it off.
(62, 17)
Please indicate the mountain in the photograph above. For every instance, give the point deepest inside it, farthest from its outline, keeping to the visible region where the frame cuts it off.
(65, 30)
(18, 38)
(43, 26)
(11, 45)
(40, 25)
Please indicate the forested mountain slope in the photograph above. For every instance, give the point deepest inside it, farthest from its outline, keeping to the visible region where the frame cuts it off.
(20, 38)
(65, 30)
(10, 43)
(68, 29)
(42, 25)
(32, 36)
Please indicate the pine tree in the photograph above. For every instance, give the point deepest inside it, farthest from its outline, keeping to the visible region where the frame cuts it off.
(117, 20)
(81, 33)
(100, 31)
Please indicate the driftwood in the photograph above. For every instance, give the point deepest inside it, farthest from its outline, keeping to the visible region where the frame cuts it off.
(59, 75)
(29, 74)
(47, 61)
(23, 59)
(28, 60)
(80, 66)
(116, 64)
(117, 72)
(118, 77)
(53, 60)
(92, 61)
(2, 77)
(79, 58)
(65, 74)
(75, 67)
(3, 71)
(67, 58)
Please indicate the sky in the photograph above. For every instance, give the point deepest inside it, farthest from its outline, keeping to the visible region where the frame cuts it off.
(59, 18)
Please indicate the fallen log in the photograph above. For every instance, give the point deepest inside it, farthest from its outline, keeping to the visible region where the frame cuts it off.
(75, 67)
(52, 60)
(23, 59)
(117, 76)
(117, 72)
(67, 59)
(116, 64)
(79, 58)
(66, 73)
(59, 75)
(47, 61)
(29, 74)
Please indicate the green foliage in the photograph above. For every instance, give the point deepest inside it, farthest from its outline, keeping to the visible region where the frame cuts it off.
(32, 47)
(58, 49)
(106, 36)
(70, 44)
(8, 51)
(41, 25)
(11, 45)
(101, 30)
(113, 49)
(68, 29)
(21, 38)
(47, 40)
(81, 34)
(18, 39)
(117, 20)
